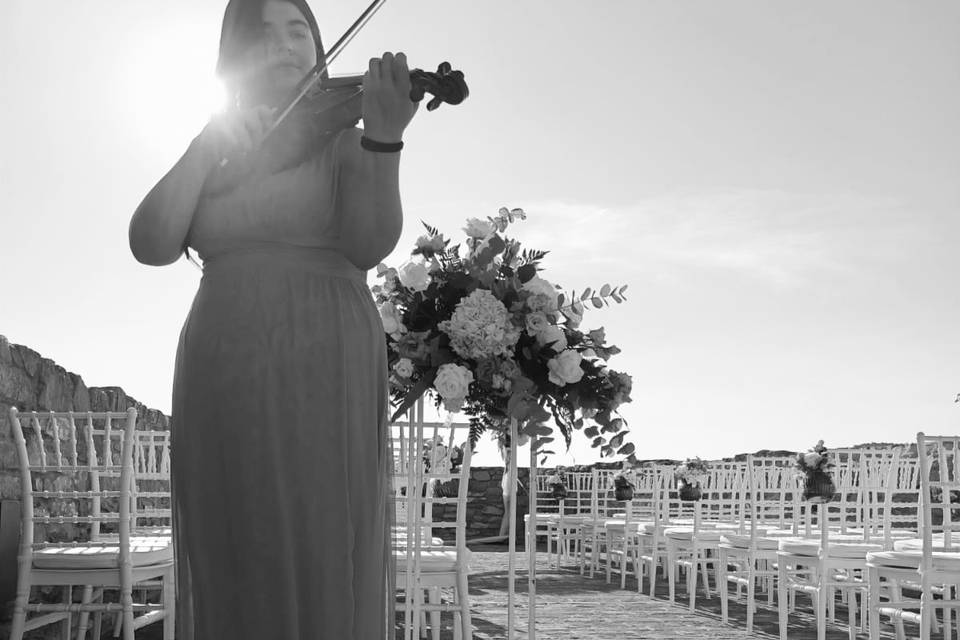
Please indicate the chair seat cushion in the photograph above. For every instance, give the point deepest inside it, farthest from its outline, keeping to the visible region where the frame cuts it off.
(617, 526)
(686, 534)
(946, 562)
(916, 544)
(144, 551)
(433, 561)
(401, 541)
(811, 547)
(742, 541)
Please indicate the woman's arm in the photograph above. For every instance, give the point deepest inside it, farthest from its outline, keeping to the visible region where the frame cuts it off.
(369, 208)
(371, 217)
(159, 227)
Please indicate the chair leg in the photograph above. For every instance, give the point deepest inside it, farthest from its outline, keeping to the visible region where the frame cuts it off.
(873, 606)
(463, 598)
(751, 593)
(852, 614)
(722, 586)
(820, 606)
(169, 605)
(626, 560)
(671, 572)
(435, 615)
(693, 573)
(84, 622)
(782, 597)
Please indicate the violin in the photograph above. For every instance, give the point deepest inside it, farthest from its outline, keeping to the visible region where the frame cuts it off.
(330, 106)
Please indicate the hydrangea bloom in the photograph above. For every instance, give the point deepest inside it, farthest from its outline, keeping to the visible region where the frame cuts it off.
(480, 327)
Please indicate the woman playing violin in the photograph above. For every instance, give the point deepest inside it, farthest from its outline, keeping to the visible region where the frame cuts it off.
(280, 435)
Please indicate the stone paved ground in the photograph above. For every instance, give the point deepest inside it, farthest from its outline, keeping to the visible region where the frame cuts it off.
(575, 607)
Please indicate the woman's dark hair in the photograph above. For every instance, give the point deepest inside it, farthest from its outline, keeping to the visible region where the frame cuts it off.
(243, 27)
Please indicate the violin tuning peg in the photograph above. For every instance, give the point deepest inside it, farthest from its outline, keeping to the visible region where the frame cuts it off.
(434, 103)
(417, 92)
(444, 68)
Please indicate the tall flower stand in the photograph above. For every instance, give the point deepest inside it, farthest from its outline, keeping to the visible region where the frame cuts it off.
(531, 538)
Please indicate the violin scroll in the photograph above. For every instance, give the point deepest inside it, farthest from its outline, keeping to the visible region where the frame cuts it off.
(445, 85)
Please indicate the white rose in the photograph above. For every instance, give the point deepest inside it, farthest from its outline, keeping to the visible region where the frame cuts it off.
(404, 367)
(536, 322)
(452, 383)
(812, 459)
(414, 275)
(480, 229)
(565, 368)
(553, 334)
(537, 285)
(392, 322)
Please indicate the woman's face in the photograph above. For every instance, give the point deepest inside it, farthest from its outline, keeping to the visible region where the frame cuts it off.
(287, 50)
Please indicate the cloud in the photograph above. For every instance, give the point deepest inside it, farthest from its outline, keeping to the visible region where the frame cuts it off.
(784, 240)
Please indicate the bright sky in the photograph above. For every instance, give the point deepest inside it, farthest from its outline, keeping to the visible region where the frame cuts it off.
(777, 183)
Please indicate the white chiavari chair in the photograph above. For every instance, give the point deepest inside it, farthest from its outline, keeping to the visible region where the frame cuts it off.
(930, 565)
(592, 537)
(694, 548)
(423, 565)
(747, 556)
(835, 561)
(621, 530)
(665, 510)
(563, 532)
(89, 491)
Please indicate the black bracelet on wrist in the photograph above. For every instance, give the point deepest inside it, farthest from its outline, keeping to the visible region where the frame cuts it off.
(381, 147)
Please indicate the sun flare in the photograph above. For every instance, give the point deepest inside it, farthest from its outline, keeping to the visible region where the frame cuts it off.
(173, 91)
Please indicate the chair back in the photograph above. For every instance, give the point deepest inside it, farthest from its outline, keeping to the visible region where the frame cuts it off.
(939, 488)
(151, 499)
(77, 478)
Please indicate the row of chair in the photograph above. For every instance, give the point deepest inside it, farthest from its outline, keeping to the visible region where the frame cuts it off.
(888, 526)
(96, 520)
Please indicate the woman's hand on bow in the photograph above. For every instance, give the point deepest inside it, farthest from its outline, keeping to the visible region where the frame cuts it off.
(387, 107)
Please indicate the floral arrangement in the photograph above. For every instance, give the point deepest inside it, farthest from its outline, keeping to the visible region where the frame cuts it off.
(692, 471)
(556, 478)
(486, 335)
(449, 458)
(813, 461)
(813, 466)
(626, 477)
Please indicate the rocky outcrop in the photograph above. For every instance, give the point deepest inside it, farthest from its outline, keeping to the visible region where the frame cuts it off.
(30, 382)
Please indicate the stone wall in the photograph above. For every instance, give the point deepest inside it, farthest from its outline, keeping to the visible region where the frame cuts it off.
(30, 382)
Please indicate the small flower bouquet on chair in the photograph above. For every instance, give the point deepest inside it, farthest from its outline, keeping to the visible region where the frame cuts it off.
(814, 465)
(624, 482)
(689, 475)
(558, 488)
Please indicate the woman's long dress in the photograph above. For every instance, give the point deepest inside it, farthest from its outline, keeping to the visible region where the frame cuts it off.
(279, 422)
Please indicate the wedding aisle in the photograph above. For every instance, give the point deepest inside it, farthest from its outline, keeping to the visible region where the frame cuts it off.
(575, 607)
